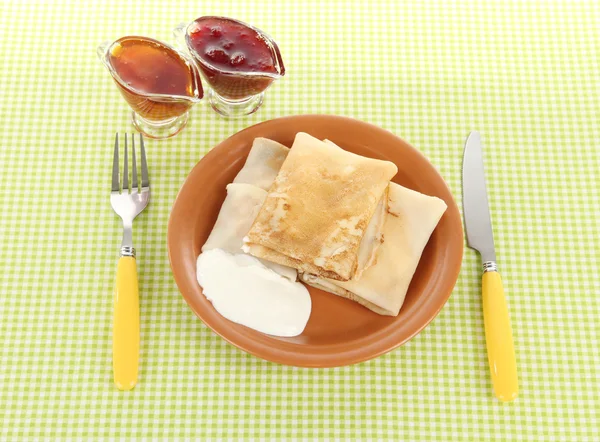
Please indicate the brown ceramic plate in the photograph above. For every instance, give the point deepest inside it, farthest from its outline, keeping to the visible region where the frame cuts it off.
(339, 332)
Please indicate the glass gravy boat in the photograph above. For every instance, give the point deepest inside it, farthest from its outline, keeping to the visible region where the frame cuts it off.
(235, 91)
(158, 82)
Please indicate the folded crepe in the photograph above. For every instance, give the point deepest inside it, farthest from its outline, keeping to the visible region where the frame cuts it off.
(263, 163)
(262, 166)
(410, 221)
(318, 209)
(373, 236)
(241, 205)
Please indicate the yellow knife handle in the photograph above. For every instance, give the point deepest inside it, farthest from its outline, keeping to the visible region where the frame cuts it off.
(499, 339)
(126, 325)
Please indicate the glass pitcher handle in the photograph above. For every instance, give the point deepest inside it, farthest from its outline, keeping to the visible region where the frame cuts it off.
(102, 53)
(179, 35)
(101, 50)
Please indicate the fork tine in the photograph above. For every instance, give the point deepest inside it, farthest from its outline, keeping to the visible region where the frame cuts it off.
(145, 180)
(115, 170)
(134, 175)
(125, 169)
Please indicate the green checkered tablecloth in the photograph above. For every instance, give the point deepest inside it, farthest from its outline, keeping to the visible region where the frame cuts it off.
(525, 74)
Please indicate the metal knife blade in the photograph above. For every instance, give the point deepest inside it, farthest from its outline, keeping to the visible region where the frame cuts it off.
(478, 224)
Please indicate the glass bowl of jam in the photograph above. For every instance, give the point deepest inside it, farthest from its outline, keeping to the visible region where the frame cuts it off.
(238, 61)
(160, 83)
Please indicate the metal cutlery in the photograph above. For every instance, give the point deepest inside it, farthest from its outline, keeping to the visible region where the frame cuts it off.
(478, 226)
(127, 203)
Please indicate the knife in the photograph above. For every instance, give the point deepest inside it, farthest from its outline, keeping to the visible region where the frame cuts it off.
(478, 226)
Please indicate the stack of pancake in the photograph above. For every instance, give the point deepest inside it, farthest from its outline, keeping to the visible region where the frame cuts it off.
(329, 215)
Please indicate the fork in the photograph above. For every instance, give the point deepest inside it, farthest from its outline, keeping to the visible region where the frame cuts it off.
(127, 203)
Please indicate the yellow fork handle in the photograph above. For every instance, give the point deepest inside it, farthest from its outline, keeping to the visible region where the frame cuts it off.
(126, 325)
(499, 339)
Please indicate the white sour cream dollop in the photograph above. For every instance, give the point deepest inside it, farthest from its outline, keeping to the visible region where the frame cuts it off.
(243, 290)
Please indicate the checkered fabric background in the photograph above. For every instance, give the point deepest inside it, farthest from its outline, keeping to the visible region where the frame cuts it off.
(525, 74)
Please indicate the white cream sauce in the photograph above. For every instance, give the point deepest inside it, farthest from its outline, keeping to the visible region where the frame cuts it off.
(244, 291)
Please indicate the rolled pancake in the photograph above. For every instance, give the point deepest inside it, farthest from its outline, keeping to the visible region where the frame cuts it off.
(318, 209)
(241, 205)
(263, 163)
(410, 221)
(373, 236)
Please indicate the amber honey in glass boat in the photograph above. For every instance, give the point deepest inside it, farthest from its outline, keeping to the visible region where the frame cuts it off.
(160, 83)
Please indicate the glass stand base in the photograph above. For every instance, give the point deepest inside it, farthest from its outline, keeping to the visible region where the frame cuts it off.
(159, 129)
(234, 109)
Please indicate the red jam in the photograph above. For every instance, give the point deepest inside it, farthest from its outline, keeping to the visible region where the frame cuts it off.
(231, 46)
(237, 60)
